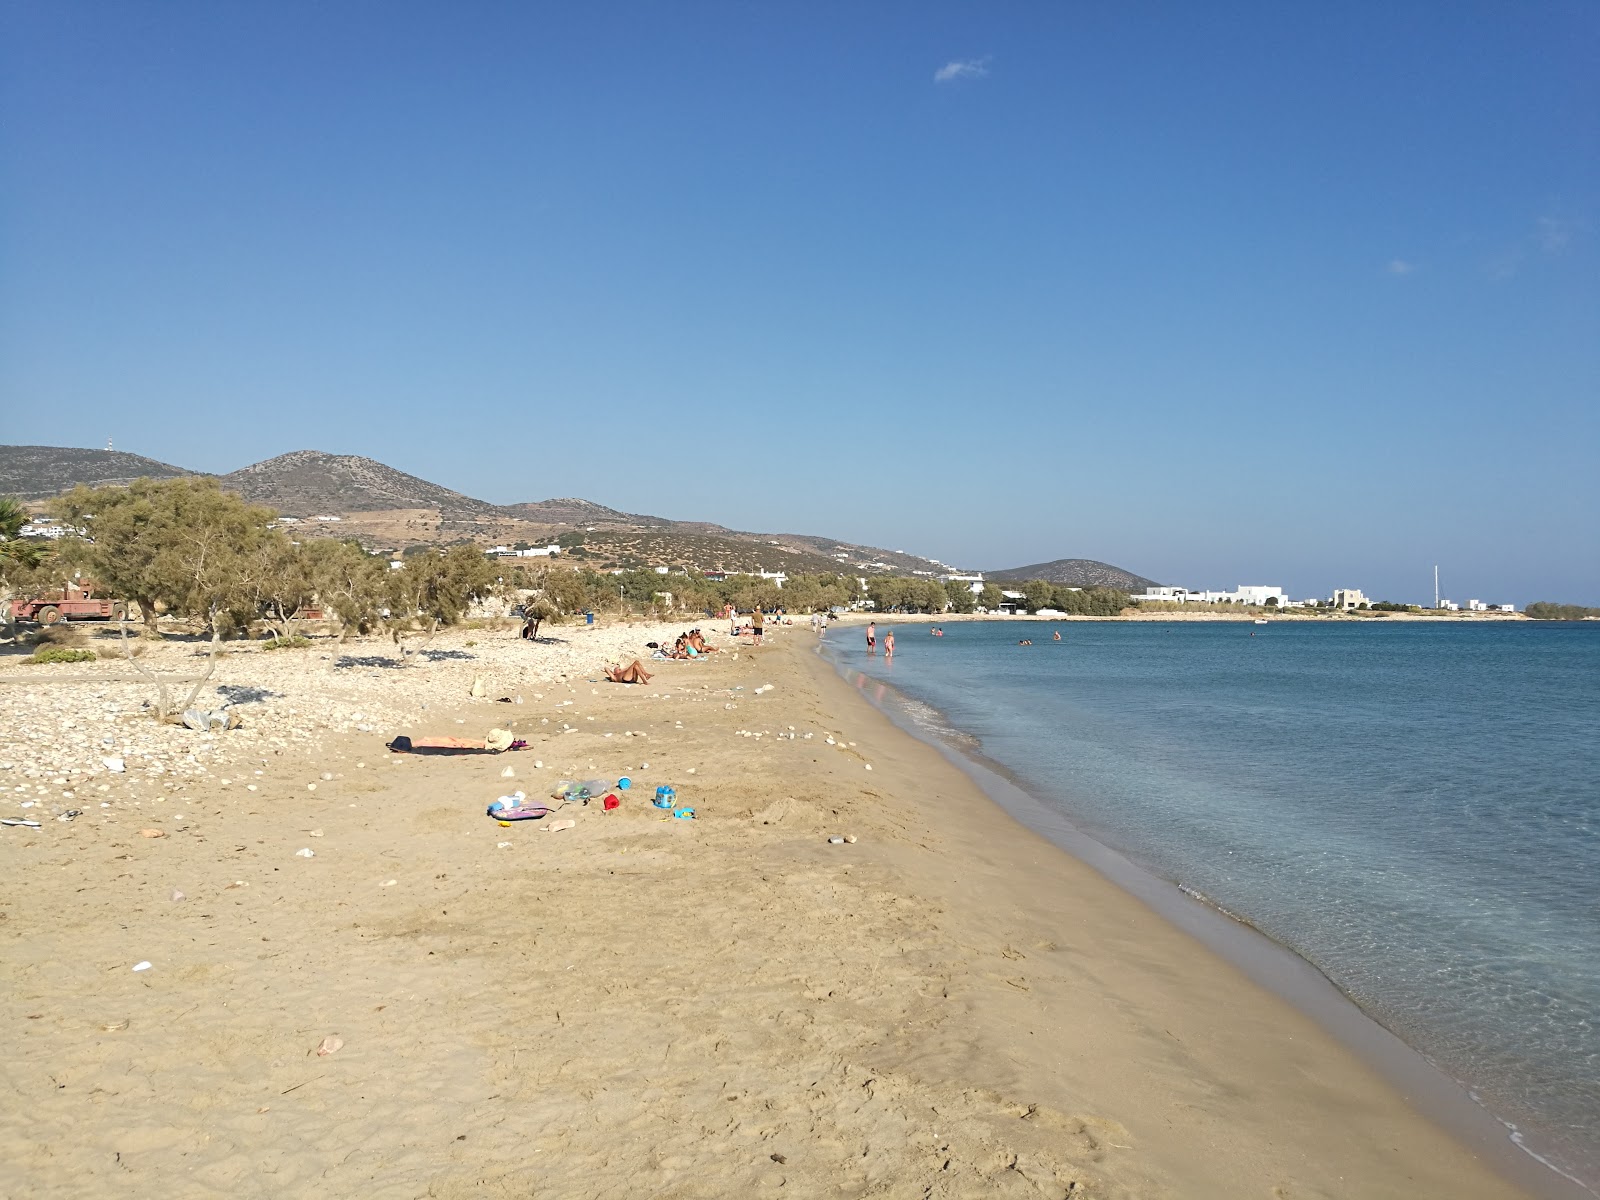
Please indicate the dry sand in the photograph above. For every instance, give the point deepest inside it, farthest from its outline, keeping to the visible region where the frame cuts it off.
(636, 1006)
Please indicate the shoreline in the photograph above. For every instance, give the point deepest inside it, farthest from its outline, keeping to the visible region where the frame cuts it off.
(949, 1006)
(895, 618)
(1266, 962)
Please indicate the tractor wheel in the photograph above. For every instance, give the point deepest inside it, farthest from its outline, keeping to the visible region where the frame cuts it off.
(119, 612)
(48, 615)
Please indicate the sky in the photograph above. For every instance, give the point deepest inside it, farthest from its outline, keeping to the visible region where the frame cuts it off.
(1223, 293)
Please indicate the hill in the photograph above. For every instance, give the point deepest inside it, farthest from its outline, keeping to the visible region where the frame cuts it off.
(1077, 572)
(305, 483)
(39, 472)
(389, 509)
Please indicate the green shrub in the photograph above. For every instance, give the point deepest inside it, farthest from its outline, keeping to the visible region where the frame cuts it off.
(61, 654)
(290, 643)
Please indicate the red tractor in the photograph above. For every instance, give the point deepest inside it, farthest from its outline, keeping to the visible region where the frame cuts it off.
(75, 602)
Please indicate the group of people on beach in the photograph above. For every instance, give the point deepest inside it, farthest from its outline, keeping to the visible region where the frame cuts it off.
(690, 644)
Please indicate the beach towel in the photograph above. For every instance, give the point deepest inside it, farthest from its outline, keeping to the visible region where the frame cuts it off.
(499, 740)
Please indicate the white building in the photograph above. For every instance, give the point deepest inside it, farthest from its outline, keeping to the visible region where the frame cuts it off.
(532, 552)
(975, 582)
(1245, 593)
(1348, 598)
(776, 577)
(43, 529)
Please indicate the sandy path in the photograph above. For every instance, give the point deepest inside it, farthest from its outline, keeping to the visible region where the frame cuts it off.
(648, 1007)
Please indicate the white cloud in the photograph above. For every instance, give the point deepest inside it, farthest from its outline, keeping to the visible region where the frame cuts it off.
(1399, 266)
(962, 68)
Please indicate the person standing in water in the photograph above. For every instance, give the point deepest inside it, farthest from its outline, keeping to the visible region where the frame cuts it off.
(888, 645)
(872, 637)
(1057, 635)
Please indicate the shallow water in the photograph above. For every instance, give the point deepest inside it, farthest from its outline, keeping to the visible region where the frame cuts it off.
(1415, 808)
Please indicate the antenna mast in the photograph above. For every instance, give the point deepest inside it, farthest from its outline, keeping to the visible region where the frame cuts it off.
(1435, 585)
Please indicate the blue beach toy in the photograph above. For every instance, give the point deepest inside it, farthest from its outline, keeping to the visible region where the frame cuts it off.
(684, 814)
(665, 797)
(624, 784)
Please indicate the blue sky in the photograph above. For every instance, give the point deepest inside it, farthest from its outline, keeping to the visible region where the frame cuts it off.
(1221, 293)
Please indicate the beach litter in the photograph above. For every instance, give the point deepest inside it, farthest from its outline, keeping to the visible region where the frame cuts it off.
(16, 821)
(203, 721)
(514, 808)
(329, 1045)
(306, 853)
(141, 966)
(177, 895)
(558, 826)
(115, 765)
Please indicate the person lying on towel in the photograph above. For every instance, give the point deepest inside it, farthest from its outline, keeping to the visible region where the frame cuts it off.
(634, 672)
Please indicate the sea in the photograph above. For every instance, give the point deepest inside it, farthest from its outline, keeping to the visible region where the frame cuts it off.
(1411, 807)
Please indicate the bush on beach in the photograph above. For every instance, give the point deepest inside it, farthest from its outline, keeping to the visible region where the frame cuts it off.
(61, 654)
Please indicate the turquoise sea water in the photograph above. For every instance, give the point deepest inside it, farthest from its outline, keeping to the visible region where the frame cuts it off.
(1414, 808)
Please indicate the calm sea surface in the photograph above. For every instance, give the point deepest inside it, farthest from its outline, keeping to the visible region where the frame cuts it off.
(1415, 808)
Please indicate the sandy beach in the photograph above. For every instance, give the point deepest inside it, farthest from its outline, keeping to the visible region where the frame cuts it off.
(728, 1006)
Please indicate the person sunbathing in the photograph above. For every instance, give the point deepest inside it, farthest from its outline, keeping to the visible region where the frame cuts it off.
(698, 643)
(634, 672)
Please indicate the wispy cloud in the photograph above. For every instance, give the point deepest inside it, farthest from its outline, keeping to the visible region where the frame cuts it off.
(1399, 266)
(1552, 237)
(1555, 234)
(963, 68)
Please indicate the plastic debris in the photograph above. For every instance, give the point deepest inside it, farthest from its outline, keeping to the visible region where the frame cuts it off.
(141, 966)
(558, 826)
(306, 853)
(329, 1045)
(115, 764)
(509, 773)
(177, 895)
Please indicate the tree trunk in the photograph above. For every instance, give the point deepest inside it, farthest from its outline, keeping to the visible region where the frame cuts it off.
(211, 663)
(162, 704)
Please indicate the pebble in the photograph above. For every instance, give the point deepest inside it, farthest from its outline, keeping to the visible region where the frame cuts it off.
(141, 966)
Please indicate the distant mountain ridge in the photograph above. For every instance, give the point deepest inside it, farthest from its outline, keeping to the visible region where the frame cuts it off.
(1077, 572)
(39, 472)
(388, 508)
(305, 483)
